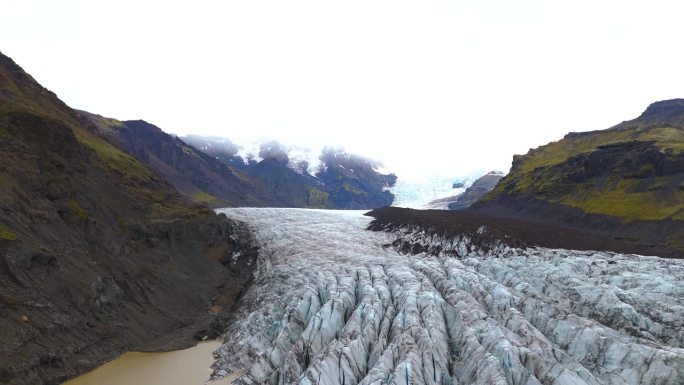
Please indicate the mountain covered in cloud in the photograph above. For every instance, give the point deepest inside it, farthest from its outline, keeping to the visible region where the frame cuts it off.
(218, 173)
(301, 177)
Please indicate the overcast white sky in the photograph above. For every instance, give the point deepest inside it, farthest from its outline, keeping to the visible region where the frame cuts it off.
(427, 87)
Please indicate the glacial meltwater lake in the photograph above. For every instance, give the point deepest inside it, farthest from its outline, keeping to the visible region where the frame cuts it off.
(180, 367)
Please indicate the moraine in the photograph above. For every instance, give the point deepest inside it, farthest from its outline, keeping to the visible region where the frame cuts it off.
(332, 304)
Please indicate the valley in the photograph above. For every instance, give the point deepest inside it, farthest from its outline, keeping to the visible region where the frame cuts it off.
(123, 246)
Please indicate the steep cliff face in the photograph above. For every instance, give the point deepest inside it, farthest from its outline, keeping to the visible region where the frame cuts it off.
(98, 254)
(626, 182)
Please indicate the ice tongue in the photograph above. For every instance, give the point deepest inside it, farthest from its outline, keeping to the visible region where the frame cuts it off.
(332, 305)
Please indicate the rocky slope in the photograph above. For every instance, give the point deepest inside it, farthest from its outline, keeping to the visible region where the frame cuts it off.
(98, 254)
(626, 182)
(472, 194)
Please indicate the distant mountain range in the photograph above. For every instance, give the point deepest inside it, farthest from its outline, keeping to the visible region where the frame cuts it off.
(209, 171)
(340, 181)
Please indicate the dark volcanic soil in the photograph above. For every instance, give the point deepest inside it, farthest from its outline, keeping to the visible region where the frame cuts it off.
(660, 237)
(98, 255)
(513, 233)
(67, 308)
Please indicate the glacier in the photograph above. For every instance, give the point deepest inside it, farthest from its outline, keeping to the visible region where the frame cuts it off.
(419, 193)
(333, 303)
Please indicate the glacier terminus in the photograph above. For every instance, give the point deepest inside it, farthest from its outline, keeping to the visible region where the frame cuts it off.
(333, 303)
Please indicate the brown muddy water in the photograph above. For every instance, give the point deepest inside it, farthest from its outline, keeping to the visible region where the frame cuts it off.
(180, 367)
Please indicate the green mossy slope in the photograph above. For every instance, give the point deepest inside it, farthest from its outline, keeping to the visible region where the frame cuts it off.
(632, 171)
(626, 182)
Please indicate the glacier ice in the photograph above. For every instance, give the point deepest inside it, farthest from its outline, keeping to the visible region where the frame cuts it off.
(333, 303)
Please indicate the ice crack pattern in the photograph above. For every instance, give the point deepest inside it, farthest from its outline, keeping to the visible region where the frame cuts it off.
(332, 304)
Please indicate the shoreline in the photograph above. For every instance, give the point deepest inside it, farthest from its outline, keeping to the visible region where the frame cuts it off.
(164, 367)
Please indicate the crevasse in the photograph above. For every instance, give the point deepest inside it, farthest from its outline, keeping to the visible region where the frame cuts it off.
(333, 304)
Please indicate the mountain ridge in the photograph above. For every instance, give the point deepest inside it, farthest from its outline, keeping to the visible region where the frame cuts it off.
(343, 180)
(624, 182)
(223, 179)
